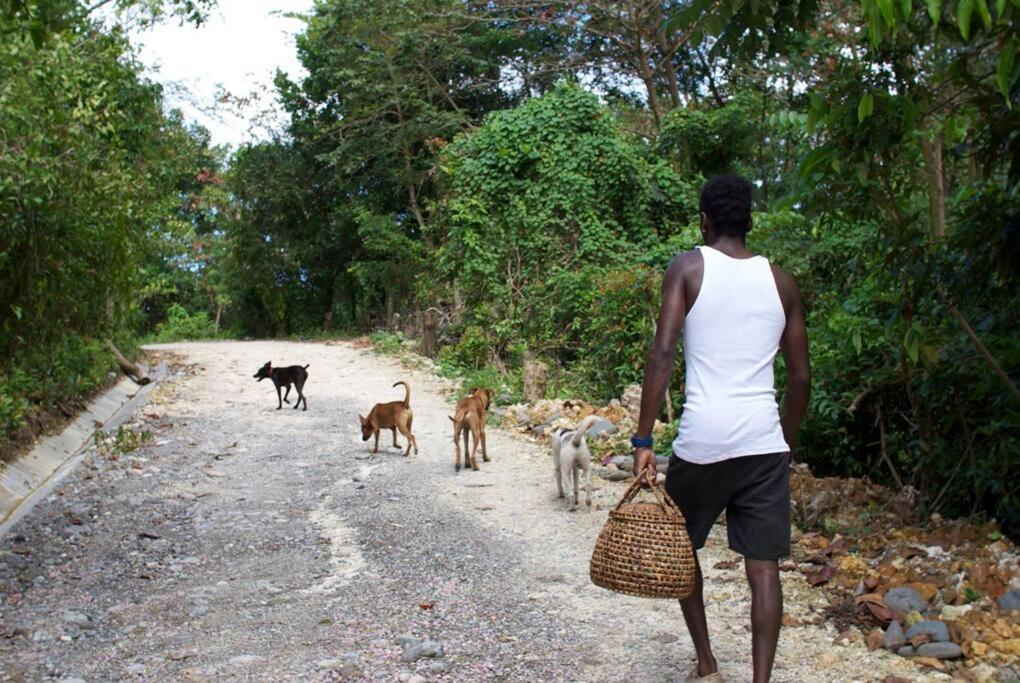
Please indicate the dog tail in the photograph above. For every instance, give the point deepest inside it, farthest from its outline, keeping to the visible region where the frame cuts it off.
(306, 367)
(407, 393)
(585, 425)
(451, 419)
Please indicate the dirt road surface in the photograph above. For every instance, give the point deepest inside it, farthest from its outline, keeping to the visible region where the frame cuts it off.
(246, 543)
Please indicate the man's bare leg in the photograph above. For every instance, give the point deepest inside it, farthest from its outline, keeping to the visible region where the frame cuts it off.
(693, 607)
(766, 614)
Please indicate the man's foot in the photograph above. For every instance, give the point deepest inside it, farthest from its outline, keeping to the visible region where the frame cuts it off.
(715, 677)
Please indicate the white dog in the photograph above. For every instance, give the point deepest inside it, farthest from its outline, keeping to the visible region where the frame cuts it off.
(570, 453)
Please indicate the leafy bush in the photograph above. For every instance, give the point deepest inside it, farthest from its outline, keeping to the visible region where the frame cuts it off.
(180, 325)
(537, 194)
(14, 405)
(709, 141)
(386, 342)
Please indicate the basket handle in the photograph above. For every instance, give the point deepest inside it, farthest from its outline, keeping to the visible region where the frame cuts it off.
(663, 498)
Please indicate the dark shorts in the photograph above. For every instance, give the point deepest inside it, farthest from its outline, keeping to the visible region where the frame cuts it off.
(755, 492)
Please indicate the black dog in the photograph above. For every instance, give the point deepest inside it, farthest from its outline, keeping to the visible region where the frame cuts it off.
(284, 377)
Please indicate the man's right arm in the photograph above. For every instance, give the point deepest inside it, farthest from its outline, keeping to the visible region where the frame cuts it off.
(794, 345)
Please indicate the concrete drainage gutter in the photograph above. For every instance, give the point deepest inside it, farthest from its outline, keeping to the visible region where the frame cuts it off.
(32, 477)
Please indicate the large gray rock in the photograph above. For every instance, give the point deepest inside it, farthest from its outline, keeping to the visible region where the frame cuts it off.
(413, 651)
(938, 631)
(631, 400)
(345, 661)
(602, 427)
(539, 430)
(624, 462)
(1010, 601)
(905, 599)
(363, 473)
(940, 650)
(71, 617)
(894, 638)
(616, 475)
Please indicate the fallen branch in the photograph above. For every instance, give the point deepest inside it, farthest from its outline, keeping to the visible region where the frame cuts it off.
(857, 400)
(955, 312)
(885, 452)
(130, 369)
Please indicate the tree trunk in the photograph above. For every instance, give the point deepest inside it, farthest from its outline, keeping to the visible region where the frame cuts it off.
(674, 88)
(536, 377)
(458, 304)
(648, 77)
(712, 87)
(931, 148)
(413, 196)
(429, 333)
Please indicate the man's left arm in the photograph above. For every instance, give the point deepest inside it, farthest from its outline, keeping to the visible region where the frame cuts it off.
(794, 345)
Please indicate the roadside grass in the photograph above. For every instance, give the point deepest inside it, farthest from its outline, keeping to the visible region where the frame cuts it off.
(41, 390)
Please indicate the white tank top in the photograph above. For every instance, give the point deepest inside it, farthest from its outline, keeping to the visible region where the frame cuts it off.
(731, 336)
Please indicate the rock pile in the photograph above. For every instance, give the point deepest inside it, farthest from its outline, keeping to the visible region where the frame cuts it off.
(944, 593)
(608, 437)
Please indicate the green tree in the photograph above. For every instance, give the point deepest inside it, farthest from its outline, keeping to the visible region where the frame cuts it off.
(540, 203)
(90, 171)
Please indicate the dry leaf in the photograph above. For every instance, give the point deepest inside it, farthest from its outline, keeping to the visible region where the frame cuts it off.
(876, 605)
(821, 576)
(929, 662)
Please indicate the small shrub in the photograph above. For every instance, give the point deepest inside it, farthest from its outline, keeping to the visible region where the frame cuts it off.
(53, 379)
(180, 325)
(386, 342)
(13, 406)
(473, 349)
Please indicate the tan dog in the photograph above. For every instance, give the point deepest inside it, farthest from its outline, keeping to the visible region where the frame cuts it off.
(470, 416)
(393, 415)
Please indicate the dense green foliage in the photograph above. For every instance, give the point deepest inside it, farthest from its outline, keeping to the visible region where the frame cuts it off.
(93, 176)
(528, 171)
(542, 202)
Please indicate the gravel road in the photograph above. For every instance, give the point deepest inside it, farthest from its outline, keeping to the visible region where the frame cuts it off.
(245, 543)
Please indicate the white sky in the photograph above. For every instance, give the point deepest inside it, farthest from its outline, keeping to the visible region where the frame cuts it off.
(238, 49)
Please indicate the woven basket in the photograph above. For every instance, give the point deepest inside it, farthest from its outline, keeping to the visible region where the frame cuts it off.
(644, 548)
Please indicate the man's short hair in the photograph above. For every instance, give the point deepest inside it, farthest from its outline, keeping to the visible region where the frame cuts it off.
(726, 200)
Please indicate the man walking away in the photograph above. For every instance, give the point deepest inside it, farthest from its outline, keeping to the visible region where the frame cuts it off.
(732, 450)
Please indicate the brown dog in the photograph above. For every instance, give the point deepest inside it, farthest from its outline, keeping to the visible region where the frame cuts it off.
(393, 415)
(470, 416)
